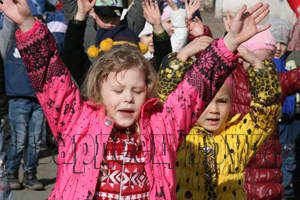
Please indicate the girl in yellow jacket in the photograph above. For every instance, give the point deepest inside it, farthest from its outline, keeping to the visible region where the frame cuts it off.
(212, 157)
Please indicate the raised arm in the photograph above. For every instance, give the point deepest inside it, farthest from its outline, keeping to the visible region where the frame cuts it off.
(209, 72)
(70, 9)
(74, 55)
(7, 36)
(265, 107)
(47, 73)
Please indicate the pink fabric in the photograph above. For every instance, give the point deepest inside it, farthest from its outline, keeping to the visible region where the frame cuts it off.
(262, 40)
(82, 131)
(166, 13)
(23, 36)
(232, 56)
(229, 82)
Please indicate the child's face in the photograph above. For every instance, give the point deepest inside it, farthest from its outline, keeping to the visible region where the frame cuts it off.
(168, 24)
(124, 95)
(281, 50)
(108, 21)
(217, 112)
(148, 39)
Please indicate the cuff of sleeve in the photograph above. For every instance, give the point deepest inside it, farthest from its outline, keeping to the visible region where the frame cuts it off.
(231, 56)
(22, 37)
(160, 34)
(75, 19)
(178, 18)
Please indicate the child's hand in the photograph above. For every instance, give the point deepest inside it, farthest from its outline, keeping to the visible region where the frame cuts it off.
(152, 15)
(19, 12)
(172, 4)
(244, 25)
(84, 6)
(195, 46)
(227, 20)
(194, 28)
(249, 58)
(191, 7)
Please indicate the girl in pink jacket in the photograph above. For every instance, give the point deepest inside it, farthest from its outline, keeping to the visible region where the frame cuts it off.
(116, 119)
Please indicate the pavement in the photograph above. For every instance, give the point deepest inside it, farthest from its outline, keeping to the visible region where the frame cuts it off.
(46, 172)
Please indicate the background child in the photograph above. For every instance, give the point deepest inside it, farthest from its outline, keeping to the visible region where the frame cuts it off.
(289, 124)
(197, 176)
(5, 191)
(117, 96)
(216, 171)
(263, 45)
(25, 113)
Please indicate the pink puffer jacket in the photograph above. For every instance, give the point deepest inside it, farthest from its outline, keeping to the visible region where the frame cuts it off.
(82, 129)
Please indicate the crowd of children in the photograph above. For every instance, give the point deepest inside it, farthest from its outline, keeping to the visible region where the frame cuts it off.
(145, 104)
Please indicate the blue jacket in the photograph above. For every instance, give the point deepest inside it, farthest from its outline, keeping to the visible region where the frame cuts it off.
(16, 79)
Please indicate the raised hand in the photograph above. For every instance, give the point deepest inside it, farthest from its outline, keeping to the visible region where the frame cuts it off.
(191, 7)
(172, 4)
(19, 12)
(152, 15)
(195, 28)
(244, 25)
(227, 20)
(249, 58)
(84, 6)
(195, 46)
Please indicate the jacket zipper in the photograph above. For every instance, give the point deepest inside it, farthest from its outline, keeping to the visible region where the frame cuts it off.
(151, 186)
(124, 159)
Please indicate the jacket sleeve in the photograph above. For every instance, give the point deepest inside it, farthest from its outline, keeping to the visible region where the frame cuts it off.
(162, 47)
(7, 37)
(294, 43)
(264, 110)
(134, 17)
(74, 55)
(179, 37)
(69, 9)
(50, 78)
(290, 83)
(199, 86)
(177, 69)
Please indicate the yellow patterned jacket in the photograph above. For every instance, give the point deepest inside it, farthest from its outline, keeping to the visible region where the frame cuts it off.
(211, 165)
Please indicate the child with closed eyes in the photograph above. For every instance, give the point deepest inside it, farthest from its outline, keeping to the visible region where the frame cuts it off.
(116, 117)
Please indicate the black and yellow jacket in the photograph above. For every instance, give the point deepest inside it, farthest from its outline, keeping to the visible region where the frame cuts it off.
(211, 165)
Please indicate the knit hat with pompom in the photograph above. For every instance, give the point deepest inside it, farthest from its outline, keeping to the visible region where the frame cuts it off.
(106, 39)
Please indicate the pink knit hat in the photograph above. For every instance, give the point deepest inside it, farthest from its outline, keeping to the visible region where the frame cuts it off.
(166, 12)
(262, 40)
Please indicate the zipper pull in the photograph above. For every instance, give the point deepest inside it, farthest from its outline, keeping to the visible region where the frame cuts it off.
(127, 131)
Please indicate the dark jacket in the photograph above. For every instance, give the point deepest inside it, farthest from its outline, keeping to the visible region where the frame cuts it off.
(16, 79)
(133, 18)
(78, 61)
(263, 176)
(3, 98)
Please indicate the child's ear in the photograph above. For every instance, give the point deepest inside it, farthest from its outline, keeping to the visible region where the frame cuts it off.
(92, 13)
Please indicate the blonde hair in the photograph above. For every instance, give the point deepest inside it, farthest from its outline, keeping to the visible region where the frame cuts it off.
(119, 58)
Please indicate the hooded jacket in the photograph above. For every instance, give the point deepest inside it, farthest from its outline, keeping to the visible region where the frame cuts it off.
(76, 123)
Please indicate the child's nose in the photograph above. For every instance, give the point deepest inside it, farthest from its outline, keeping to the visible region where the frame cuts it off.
(129, 97)
(214, 108)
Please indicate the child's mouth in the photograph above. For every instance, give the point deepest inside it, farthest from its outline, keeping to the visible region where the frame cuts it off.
(126, 112)
(213, 121)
